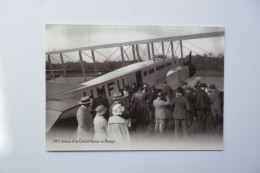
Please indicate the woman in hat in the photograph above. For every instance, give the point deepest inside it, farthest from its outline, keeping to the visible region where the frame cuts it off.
(84, 118)
(120, 98)
(180, 111)
(117, 126)
(100, 123)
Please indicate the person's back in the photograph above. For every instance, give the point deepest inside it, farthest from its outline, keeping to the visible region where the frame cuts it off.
(100, 100)
(181, 106)
(191, 98)
(160, 108)
(100, 127)
(139, 98)
(166, 89)
(215, 100)
(117, 126)
(85, 121)
(201, 98)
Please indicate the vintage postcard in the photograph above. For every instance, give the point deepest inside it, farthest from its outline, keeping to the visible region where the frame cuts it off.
(114, 87)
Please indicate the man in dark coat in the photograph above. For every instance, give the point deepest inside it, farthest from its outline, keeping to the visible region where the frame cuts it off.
(215, 103)
(152, 95)
(189, 93)
(201, 106)
(182, 106)
(101, 100)
(140, 101)
(166, 89)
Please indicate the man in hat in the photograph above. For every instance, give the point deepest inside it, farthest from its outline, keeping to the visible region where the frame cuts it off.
(139, 99)
(100, 123)
(160, 112)
(84, 118)
(182, 106)
(151, 97)
(189, 93)
(184, 85)
(201, 106)
(214, 104)
(166, 88)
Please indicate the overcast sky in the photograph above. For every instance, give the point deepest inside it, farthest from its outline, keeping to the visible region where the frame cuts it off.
(59, 37)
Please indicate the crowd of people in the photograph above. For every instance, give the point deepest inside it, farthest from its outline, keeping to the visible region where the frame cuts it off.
(136, 109)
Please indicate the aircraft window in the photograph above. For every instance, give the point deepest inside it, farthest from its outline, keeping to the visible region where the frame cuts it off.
(145, 73)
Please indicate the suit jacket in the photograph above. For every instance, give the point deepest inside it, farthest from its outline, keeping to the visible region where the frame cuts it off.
(84, 118)
(140, 99)
(161, 109)
(214, 100)
(85, 122)
(181, 106)
(201, 99)
(167, 89)
(100, 101)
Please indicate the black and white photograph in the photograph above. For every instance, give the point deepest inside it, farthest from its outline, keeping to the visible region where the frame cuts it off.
(129, 86)
(126, 87)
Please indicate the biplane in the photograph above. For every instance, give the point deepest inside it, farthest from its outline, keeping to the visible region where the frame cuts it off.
(153, 71)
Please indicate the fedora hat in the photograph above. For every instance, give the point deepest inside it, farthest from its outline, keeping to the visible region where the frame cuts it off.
(118, 95)
(85, 100)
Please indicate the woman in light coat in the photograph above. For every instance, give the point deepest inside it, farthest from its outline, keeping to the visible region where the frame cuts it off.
(100, 123)
(117, 126)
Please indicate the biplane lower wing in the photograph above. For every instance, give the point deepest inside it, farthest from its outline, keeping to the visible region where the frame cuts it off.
(59, 109)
